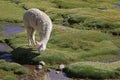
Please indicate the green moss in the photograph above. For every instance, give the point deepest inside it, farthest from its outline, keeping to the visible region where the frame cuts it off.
(62, 47)
(10, 78)
(77, 14)
(67, 45)
(10, 12)
(83, 4)
(116, 41)
(53, 56)
(4, 73)
(14, 67)
(116, 31)
(10, 71)
(95, 70)
(82, 38)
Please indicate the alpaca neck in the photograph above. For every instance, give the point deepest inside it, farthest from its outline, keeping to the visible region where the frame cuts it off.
(44, 41)
(44, 38)
(46, 35)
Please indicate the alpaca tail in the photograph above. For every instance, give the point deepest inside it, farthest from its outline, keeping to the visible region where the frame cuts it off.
(24, 8)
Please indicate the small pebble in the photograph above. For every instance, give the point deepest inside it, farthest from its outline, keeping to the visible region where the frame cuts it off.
(48, 70)
(39, 66)
(57, 72)
(61, 67)
(42, 63)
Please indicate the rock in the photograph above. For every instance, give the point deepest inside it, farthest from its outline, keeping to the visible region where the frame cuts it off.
(61, 66)
(40, 66)
(42, 63)
(57, 72)
(48, 70)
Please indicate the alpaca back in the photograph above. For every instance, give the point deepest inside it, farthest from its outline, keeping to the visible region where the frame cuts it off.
(37, 19)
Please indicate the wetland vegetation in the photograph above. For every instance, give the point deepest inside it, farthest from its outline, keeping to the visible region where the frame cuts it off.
(89, 46)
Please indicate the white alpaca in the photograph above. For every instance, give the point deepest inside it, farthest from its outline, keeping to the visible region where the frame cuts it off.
(36, 20)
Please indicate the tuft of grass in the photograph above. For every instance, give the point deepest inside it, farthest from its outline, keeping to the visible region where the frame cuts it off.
(68, 5)
(10, 12)
(10, 78)
(63, 48)
(116, 32)
(94, 70)
(41, 4)
(93, 19)
(82, 38)
(4, 73)
(77, 14)
(14, 67)
(55, 56)
(83, 4)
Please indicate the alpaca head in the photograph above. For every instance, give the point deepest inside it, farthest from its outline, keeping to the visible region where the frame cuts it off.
(40, 46)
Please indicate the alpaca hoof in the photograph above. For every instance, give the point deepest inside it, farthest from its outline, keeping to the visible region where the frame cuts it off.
(29, 45)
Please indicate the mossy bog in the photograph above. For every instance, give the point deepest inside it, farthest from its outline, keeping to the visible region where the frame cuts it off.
(93, 36)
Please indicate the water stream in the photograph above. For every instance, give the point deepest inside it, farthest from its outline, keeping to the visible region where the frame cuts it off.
(54, 76)
(4, 47)
(6, 56)
(9, 29)
(117, 5)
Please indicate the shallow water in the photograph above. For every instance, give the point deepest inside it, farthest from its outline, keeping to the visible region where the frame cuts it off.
(54, 76)
(6, 56)
(4, 47)
(9, 29)
(117, 5)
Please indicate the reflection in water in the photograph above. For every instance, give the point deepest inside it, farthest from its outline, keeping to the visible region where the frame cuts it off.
(54, 76)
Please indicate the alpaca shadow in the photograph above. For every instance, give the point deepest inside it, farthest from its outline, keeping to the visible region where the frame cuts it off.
(24, 55)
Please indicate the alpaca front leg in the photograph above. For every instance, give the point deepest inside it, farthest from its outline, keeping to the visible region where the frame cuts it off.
(33, 37)
(29, 35)
(29, 39)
